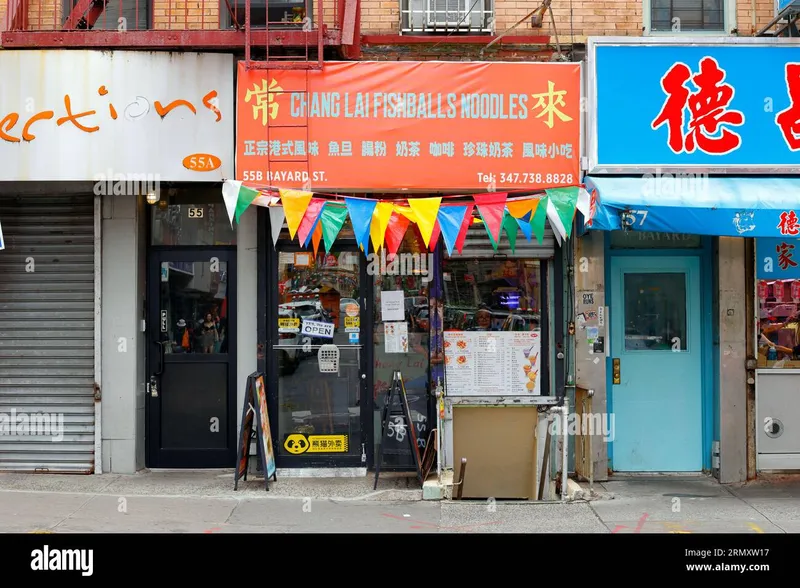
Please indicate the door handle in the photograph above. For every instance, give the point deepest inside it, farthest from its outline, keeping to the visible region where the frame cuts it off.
(615, 370)
(160, 357)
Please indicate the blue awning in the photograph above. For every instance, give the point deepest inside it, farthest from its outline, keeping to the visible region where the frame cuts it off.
(693, 204)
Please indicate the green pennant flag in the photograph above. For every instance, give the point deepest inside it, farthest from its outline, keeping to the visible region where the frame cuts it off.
(332, 219)
(561, 208)
(510, 226)
(245, 198)
(539, 219)
(489, 233)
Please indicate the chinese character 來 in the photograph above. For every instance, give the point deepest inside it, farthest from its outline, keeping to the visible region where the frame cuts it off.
(710, 115)
(785, 255)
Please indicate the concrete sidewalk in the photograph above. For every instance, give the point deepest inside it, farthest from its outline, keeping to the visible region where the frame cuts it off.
(204, 502)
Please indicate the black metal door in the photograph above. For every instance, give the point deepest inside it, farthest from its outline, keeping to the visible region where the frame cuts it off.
(191, 338)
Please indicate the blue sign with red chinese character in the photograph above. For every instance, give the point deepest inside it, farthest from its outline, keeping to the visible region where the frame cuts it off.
(667, 105)
(778, 259)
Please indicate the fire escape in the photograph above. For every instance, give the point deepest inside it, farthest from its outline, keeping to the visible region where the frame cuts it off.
(785, 22)
(297, 38)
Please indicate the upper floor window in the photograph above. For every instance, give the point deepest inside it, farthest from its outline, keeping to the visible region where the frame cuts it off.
(446, 16)
(288, 14)
(118, 15)
(687, 16)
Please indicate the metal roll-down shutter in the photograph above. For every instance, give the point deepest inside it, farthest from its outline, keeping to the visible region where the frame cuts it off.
(477, 244)
(47, 343)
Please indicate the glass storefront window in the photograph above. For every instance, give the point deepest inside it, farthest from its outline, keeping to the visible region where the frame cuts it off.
(492, 294)
(191, 224)
(655, 312)
(779, 324)
(322, 292)
(414, 364)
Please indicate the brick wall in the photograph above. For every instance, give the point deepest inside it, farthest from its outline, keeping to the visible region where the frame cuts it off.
(573, 21)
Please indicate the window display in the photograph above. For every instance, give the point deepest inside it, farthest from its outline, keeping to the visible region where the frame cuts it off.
(492, 327)
(778, 300)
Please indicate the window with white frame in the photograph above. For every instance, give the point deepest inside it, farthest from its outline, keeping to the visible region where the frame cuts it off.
(688, 16)
(446, 16)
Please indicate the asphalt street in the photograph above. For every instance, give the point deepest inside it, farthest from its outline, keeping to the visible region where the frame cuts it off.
(203, 502)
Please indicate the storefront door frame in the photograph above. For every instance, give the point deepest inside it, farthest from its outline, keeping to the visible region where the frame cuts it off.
(709, 313)
(268, 357)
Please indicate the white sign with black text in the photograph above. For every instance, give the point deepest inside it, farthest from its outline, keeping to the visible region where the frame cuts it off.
(317, 329)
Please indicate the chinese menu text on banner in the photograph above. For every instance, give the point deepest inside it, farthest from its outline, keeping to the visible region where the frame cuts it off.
(405, 125)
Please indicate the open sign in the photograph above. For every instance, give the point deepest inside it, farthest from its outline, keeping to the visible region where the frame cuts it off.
(317, 329)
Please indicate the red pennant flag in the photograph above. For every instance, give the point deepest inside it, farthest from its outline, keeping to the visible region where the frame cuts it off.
(309, 218)
(395, 232)
(465, 224)
(437, 230)
(492, 208)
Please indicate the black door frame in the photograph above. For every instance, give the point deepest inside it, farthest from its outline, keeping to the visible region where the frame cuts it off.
(271, 358)
(202, 458)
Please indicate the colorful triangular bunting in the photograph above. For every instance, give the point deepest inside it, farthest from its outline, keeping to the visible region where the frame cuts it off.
(331, 220)
(425, 210)
(451, 219)
(492, 207)
(294, 204)
(360, 211)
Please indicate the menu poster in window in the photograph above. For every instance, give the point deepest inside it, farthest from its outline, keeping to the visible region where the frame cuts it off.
(489, 363)
(396, 337)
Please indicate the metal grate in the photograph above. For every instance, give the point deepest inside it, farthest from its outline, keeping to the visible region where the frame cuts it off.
(328, 359)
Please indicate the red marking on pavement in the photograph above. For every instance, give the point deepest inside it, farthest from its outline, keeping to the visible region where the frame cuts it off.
(638, 528)
(424, 524)
(211, 530)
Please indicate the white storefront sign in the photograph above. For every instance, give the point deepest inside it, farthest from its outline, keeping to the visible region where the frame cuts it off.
(102, 115)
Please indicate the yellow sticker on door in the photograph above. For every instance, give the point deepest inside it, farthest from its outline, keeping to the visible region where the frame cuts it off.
(352, 322)
(297, 444)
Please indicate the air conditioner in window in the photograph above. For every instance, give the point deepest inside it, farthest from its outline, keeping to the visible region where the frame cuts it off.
(467, 15)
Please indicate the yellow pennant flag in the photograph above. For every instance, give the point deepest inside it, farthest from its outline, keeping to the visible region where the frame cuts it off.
(295, 203)
(380, 220)
(426, 210)
(406, 212)
(519, 208)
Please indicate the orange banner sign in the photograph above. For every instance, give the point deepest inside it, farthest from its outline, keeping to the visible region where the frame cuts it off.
(434, 126)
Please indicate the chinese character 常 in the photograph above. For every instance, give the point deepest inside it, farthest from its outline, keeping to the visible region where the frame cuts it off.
(789, 224)
(788, 120)
(265, 100)
(785, 255)
(709, 109)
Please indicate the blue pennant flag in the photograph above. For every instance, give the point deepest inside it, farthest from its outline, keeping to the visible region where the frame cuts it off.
(525, 226)
(360, 212)
(314, 226)
(450, 220)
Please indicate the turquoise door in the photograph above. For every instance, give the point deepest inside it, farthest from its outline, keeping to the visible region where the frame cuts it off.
(657, 397)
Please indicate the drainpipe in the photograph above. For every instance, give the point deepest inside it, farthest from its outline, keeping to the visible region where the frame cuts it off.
(563, 410)
(755, 22)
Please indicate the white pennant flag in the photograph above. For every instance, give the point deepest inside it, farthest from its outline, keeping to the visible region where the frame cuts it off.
(276, 218)
(584, 204)
(230, 194)
(555, 221)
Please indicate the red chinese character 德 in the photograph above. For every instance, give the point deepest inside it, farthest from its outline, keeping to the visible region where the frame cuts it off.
(785, 256)
(789, 224)
(789, 120)
(709, 111)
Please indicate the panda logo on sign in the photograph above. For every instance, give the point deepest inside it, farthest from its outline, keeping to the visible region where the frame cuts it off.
(296, 444)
